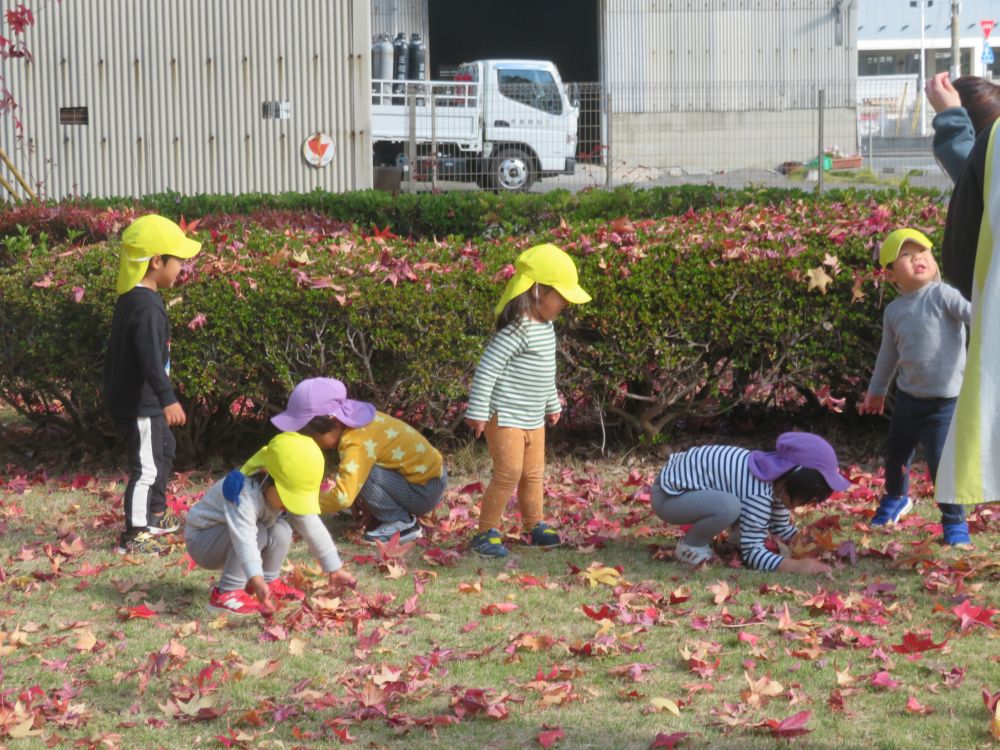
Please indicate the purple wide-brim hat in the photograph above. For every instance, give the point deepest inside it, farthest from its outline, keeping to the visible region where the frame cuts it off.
(798, 449)
(322, 397)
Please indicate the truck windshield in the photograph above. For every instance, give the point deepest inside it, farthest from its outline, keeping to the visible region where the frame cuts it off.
(535, 88)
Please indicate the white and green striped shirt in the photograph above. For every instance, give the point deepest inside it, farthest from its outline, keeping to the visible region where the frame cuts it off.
(516, 377)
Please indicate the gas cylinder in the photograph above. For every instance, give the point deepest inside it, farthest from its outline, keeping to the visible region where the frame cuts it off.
(418, 58)
(382, 53)
(381, 65)
(400, 66)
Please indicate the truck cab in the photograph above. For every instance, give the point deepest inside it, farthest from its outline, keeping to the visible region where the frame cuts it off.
(529, 121)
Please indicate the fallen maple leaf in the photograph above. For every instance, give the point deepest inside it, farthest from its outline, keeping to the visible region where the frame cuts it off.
(549, 736)
(970, 615)
(393, 550)
(665, 704)
(916, 707)
(915, 644)
(995, 724)
(793, 726)
(140, 612)
(721, 591)
(818, 279)
(597, 574)
(498, 608)
(883, 679)
(664, 741)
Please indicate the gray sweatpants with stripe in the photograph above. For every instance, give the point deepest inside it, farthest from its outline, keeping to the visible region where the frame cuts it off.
(389, 497)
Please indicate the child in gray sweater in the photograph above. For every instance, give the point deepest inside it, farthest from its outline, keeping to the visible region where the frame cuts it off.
(923, 344)
(243, 525)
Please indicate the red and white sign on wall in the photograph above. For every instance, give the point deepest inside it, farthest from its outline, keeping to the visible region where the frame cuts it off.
(318, 150)
(987, 27)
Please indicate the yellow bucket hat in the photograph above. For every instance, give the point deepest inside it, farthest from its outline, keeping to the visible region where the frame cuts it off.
(892, 244)
(295, 463)
(145, 237)
(544, 264)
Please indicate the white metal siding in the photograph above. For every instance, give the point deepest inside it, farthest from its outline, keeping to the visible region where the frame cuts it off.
(174, 90)
(711, 55)
(409, 16)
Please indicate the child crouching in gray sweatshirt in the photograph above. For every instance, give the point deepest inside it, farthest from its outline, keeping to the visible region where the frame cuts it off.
(243, 525)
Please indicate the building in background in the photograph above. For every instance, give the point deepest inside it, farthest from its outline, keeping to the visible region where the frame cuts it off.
(684, 86)
(889, 40)
(130, 97)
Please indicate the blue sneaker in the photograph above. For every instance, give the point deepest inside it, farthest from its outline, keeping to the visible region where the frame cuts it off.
(891, 509)
(489, 544)
(956, 533)
(544, 535)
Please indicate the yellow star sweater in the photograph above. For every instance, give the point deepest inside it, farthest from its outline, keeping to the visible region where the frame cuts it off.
(386, 442)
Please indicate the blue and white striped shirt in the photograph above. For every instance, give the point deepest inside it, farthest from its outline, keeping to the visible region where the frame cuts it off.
(724, 468)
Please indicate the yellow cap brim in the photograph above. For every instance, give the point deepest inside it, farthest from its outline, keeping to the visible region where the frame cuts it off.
(574, 294)
(298, 503)
(188, 248)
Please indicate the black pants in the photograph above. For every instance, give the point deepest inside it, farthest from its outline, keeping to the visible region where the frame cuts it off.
(916, 421)
(150, 448)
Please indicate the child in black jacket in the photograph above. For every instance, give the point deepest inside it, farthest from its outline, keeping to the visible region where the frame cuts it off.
(137, 388)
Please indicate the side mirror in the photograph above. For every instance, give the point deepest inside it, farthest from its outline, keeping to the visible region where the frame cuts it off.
(573, 94)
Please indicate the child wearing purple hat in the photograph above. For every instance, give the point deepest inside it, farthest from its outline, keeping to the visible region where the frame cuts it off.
(390, 467)
(714, 487)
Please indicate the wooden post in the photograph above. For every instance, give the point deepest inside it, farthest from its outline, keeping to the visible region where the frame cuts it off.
(17, 175)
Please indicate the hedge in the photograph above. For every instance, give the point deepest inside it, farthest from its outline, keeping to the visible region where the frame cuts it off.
(418, 215)
(694, 313)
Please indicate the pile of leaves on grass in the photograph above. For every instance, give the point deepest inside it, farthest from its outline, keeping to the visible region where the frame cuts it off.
(606, 640)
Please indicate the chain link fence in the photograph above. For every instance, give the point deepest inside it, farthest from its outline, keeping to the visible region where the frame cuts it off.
(526, 132)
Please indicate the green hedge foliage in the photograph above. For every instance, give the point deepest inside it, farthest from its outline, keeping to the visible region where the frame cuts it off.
(695, 312)
(420, 215)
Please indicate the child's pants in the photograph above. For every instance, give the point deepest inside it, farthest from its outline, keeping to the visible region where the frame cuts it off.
(518, 462)
(389, 497)
(150, 448)
(709, 511)
(923, 421)
(212, 549)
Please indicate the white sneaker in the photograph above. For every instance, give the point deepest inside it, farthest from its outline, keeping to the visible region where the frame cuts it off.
(691, 555)
(407, 530)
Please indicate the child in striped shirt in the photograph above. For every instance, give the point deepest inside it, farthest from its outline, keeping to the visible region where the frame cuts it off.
(718, 486)
(514, 392)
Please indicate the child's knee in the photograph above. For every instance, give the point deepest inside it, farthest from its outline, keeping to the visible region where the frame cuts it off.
(279, 536)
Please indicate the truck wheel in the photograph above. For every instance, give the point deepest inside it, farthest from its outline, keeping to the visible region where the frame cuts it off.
(512, 171)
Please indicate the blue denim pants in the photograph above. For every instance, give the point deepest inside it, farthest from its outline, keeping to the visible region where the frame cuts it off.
(918, 421)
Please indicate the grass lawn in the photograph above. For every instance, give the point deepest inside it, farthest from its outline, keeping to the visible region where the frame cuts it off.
(604, 643)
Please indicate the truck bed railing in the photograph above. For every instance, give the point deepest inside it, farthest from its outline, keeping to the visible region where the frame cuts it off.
(386, 93)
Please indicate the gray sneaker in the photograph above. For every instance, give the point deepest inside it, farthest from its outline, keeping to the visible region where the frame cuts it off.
(407, 530)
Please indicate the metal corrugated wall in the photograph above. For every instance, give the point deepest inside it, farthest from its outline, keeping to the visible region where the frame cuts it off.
(174, 90)
(392, 16)
(684, 55)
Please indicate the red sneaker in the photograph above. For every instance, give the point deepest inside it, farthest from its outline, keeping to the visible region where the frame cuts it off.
(237, 602)
(281, 590)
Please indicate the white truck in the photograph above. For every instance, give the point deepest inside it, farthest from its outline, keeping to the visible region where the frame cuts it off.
(501, 123)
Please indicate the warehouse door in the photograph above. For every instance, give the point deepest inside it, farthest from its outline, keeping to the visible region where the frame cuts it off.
(563, 31)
